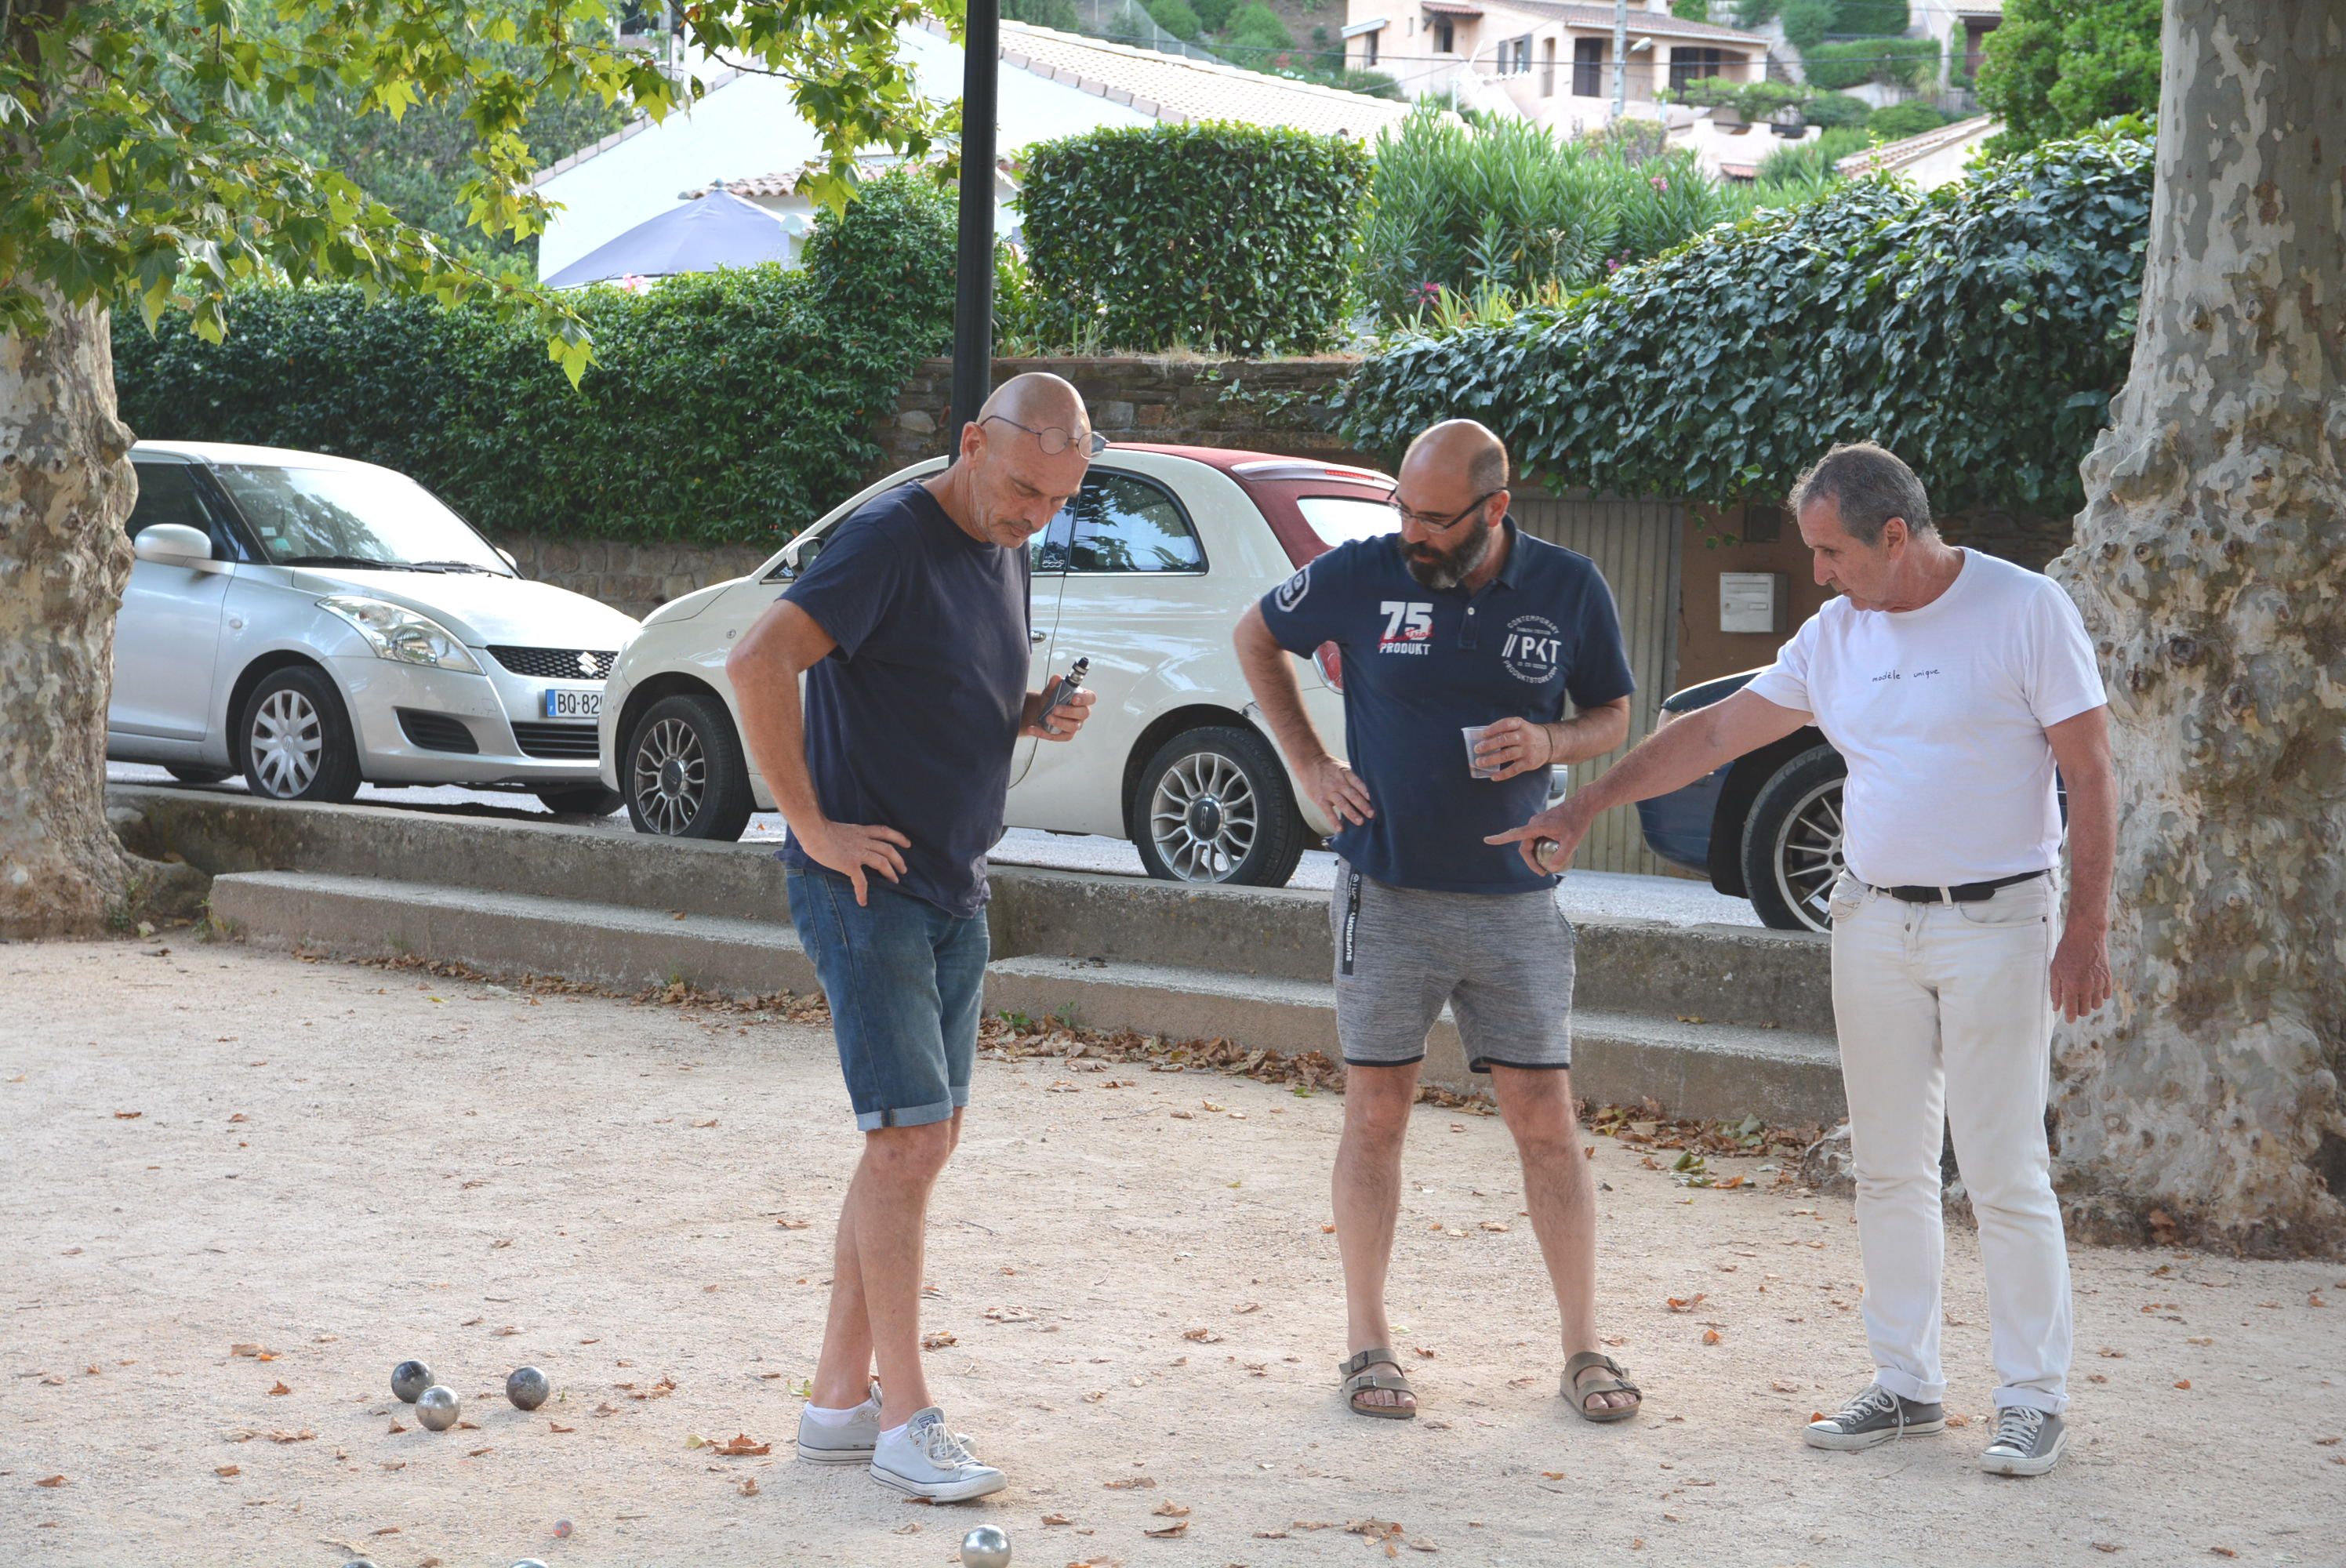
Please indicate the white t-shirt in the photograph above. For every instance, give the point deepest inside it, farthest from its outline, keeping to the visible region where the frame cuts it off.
(1940, 713)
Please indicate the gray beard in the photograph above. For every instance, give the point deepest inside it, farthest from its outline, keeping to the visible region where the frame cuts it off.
(1454, 569)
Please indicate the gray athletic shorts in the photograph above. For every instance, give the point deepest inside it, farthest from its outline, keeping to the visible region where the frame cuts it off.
(1503, 963)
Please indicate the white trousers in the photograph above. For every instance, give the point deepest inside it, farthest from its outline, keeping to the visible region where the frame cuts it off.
(1946, 1017)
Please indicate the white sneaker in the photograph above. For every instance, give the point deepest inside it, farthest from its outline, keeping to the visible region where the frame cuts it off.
(928, 1460)
(848, 1442)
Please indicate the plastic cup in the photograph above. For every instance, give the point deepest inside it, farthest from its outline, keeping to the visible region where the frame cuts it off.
(1475, 733)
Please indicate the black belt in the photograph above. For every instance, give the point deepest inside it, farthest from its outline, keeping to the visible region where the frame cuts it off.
(1961, 893)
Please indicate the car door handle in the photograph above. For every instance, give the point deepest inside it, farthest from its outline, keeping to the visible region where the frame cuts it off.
(1038, 636)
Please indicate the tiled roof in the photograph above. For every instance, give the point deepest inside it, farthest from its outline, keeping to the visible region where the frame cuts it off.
(1173, 87)
(1895, 155)
(1659, 24)
(1450, 7)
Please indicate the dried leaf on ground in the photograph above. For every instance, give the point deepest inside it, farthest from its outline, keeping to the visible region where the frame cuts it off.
(1127, 1484)
(280, 1388)
(1169, 1509)
(1687, 1303)
(51, 1480)
(937, 1339)
(1168, 1531)
(228, 1469)
(742, 1445)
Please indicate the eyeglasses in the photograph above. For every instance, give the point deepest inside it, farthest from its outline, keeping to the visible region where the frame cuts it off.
(1432, 524)
(1055, 439)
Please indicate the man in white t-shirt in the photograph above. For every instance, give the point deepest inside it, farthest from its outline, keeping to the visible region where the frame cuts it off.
(1952, 683)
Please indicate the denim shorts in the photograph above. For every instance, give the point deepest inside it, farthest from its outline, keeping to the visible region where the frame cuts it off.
(905, 980)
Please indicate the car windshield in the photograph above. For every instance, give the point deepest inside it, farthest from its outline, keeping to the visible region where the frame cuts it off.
(1341, 519)
(354, 517)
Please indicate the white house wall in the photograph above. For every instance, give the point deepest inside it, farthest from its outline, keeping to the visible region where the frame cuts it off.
(752, 126)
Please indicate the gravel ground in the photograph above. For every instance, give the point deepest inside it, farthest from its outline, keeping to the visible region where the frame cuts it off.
(334, 1167)
(1677, 901)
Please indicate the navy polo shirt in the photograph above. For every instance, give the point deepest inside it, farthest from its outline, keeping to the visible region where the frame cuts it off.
(913, 719)
(1422, 662)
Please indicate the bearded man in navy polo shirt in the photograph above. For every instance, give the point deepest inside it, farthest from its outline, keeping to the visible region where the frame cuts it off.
(1459, 619)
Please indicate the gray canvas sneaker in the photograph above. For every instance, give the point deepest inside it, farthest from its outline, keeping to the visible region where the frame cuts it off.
(2028, 1443)
(1875, 1416)
(850, 1443)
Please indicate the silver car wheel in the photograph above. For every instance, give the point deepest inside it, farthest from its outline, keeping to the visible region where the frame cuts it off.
(670, 776)
(287, 736)
(1807, 858)
(1204, 817)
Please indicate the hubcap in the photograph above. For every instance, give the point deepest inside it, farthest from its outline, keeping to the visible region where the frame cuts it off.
(287, 738)
(1203, 817)
(1809, 855)
(671, 775)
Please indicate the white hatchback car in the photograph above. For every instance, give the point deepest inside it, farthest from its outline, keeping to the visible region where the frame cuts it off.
(1145, 573)
(315, 622)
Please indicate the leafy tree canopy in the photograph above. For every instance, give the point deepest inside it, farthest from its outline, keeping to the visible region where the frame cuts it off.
(146, 155)
(2057, 67)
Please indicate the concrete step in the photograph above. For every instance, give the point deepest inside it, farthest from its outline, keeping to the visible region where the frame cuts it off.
(1692, 1069)
(1736, 974)
(614, 945)
(1706, 1070)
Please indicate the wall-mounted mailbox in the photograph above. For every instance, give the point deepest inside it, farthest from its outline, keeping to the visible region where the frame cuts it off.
(1751, 602)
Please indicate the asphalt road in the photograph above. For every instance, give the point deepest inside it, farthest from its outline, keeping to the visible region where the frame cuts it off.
(1680, 903)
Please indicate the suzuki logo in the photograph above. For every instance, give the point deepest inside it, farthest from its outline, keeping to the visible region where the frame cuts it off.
(586, 664)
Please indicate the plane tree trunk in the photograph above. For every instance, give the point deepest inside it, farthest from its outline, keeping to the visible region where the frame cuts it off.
(2210, 565)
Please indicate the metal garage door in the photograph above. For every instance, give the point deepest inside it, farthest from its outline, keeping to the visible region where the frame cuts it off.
(1635, 545)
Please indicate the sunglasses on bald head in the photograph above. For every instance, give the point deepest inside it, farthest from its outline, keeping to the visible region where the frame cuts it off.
(1055, 439)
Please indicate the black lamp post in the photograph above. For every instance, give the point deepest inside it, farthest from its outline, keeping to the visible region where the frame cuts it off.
(973, 358)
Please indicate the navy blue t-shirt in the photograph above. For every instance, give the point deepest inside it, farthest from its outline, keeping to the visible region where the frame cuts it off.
(911, 720)
(1420, 664)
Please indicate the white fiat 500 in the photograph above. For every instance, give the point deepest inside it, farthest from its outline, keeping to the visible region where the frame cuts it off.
(314, 623)
(1145, 573)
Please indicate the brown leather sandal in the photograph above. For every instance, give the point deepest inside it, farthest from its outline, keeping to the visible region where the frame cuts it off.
(1616, 1381)
(1359, 1380)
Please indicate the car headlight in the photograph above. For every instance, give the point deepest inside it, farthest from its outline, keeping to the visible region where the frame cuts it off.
(395, 632)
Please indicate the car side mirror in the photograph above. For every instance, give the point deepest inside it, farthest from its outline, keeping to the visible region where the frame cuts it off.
(511, 559)
(176, 545)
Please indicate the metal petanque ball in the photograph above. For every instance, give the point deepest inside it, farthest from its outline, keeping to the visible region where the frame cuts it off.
(528, 1388)
(985, 1547)
(438, 1407)
(529, 1562)
(410, 1378)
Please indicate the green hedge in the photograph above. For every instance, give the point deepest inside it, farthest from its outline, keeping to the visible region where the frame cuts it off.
(1829, 110)
(1978, 331)
(1220, 236)
(731, 407)
(1896, 122)
(1871, 18)
(1907, 62)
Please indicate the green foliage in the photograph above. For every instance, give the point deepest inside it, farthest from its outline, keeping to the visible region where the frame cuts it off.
(2056, 68)
(1691, 10)
(723, 407)
(1829, 110)
(1509, 206)
(1978, 331)
(1809, 162)
(139, 164)
(1806, 23)
(1756, 13)
(1256, 31)
(1215, 14)
(1904, 62)
(1755, 102)
(1897, 122)
(1057, 14)
(1871, 18)
(1221, 236)
(1177, 17)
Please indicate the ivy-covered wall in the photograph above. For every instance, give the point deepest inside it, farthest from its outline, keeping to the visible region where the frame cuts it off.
(1978, 331)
